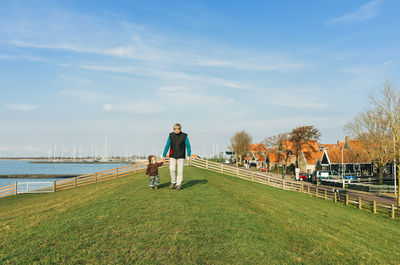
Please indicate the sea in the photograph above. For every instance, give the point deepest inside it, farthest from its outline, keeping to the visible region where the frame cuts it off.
(16, 167)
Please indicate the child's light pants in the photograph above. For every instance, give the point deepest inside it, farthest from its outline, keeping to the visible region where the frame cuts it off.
(176, 179)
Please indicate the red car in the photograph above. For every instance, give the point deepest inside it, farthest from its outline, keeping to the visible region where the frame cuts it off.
(303, 176)
(262, 169)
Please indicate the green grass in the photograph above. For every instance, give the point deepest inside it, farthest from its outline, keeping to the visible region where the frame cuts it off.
(215, 219)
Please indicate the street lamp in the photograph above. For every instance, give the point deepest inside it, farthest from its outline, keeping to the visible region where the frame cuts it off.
(394, 166)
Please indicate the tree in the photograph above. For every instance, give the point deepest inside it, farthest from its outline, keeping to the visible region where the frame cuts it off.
(274, 142)
(301, 137)
(389, 104)
(240, 144)
(373, 130)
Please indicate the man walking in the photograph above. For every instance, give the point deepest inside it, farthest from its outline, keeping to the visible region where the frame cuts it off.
(177, 143)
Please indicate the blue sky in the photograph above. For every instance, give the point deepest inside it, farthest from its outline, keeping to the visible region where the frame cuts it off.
(75, 72)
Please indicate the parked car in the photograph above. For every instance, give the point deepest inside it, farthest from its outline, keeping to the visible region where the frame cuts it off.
(349, 177)
(263, 169)
(303, 176)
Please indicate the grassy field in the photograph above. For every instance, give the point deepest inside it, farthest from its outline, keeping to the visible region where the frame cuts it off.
(215, 219)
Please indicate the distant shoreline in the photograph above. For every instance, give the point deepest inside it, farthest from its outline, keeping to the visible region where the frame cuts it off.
(39, 175)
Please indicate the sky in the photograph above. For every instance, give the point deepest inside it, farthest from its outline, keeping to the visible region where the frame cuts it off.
(74, 73)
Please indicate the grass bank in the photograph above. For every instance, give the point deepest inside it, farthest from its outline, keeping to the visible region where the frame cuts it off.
(215, 219)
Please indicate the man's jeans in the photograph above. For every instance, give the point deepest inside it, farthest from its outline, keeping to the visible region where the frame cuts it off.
(172, 165)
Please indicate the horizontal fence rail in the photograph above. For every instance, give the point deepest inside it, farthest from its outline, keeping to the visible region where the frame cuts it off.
(74, 182)
(299, 186)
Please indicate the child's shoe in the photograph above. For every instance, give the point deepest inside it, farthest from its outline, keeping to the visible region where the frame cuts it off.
(178, 187)
(171, 186)
(156, 187)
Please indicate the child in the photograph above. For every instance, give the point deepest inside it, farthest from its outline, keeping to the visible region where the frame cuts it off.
(152, 172)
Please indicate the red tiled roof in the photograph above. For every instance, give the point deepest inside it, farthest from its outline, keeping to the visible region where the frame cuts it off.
(273, 157)
(312, 157)
(259, 157)
(257, 148)
(356, 153)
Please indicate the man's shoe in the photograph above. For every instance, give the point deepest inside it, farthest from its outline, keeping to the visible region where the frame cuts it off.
(171, 186)
(178, 187)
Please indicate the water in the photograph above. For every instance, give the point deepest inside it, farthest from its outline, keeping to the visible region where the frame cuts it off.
(11, 167)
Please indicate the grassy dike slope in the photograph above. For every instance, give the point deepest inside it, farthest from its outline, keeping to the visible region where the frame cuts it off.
(215, 219)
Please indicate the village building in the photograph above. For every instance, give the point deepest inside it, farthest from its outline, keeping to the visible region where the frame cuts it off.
(349, 157)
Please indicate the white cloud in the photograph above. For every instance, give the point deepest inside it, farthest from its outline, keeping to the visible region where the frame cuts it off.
(21, 107)
(365, 12)
(84, 94)
(138, 108)
(20, 57)
(173, 88)
(275, 64)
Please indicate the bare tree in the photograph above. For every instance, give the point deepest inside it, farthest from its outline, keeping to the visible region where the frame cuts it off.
(301, 137)
(240, 144)
(274, 141)
(373, 130)
(389, 104)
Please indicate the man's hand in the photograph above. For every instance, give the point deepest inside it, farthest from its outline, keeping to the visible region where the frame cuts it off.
(187, 158)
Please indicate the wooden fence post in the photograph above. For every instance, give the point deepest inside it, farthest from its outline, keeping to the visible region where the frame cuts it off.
(393, 211)
(302, 187)
(268, 180)
(359, 203)
(326, 194)
(308, 189)
(374, 207)
(252, 176)
(75, 182)
(222, 168)
(54, 186)
(335, 197)
(283, 184)
(95, 177)
(116, 173)
(16, 187)
(316, 192)
(237, 172)
(347, 200)
(206, 164)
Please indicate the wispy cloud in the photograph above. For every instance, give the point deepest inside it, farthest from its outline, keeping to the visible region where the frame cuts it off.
(173, 88)
(20, 107)
(170, 75)
(84, 94)
(20, 57)
(137, 108)
(269, 64)
(364, 12)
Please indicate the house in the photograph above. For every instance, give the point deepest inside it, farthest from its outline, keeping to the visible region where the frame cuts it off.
(256, 155)
(349, 157)
(309, 155)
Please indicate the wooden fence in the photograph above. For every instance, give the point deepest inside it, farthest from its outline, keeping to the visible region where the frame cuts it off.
(82, 180)
(299, 186)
